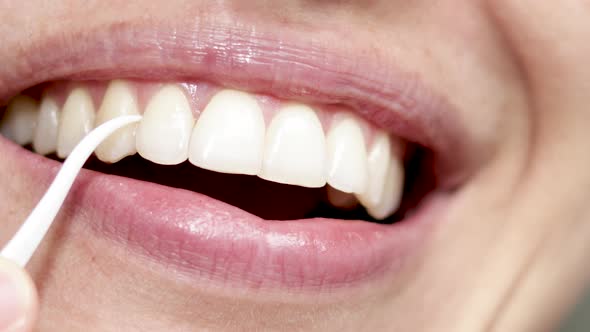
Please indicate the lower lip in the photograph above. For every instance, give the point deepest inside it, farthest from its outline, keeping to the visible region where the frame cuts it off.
(210, 239)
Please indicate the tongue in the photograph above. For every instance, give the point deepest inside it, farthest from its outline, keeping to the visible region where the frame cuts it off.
(268, 200)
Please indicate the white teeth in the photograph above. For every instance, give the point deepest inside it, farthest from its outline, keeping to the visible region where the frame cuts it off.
(119, 100)
(295, 148)
(229, 135)
(392, 192)
(19, 121)
(347, 156)
(77, 119)
(379, 161)
(341, 200)
(45, 141)
(164, 132)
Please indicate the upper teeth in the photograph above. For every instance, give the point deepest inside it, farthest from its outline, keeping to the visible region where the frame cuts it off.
(164, 132)
(229, 136)
(20, 120)
(295, 148)
(348, 164)
(235, 133)
(76, 120)
(45, 141)
(118, 100)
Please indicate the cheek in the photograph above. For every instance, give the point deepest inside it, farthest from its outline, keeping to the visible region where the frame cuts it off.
(466, 58)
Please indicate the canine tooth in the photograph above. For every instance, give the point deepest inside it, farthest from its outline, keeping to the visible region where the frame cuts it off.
(119, 100)
(341, 200)
(76, 120)
(164, 132)
(229, 135)
(379, 161)
(295, 148)
(45, 141)
(392, 192)
(19, 121)
(347, 156)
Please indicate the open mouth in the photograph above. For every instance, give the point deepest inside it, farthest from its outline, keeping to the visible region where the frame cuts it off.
(303, 185)
(277, 160)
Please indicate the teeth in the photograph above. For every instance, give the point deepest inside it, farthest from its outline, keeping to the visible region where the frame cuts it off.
(45, 141)
(341, 200)
(379, 161)
(229, 135)
(19, 121)
(392, 192)
(77, 119)
(295, 148)
(118, 101)
(164, 132)
(347, 157)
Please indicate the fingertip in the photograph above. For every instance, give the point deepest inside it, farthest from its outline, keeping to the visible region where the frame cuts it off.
(18, 298)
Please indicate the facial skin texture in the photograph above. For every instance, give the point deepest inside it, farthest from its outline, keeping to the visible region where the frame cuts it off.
(510, 257)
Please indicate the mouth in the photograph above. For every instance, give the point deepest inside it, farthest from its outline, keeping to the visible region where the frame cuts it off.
(252, 164)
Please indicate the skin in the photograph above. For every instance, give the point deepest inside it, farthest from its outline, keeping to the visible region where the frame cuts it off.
(509, 258)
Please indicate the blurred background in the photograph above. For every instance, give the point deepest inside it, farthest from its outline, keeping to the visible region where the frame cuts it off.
(579, 320)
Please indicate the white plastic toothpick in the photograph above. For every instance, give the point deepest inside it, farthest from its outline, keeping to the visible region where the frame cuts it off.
(22, 246)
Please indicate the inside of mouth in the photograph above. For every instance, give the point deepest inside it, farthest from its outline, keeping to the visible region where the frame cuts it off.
(270, 200)
(267, 199)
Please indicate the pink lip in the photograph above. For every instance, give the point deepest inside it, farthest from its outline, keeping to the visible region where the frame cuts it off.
(210, 238)
(334, 70)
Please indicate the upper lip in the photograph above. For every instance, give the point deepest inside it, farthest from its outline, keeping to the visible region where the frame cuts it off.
(285, 65)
